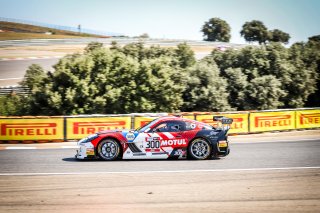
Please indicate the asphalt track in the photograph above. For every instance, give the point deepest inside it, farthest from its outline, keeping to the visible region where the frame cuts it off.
(13, 71)
(281, 176)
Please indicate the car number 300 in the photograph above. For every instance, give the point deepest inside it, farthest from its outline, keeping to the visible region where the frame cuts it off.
(153, 144)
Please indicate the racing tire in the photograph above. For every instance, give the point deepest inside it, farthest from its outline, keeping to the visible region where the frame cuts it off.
(109, 149)
(199, 149)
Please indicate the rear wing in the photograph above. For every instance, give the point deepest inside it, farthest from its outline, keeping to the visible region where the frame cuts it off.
(223, 120)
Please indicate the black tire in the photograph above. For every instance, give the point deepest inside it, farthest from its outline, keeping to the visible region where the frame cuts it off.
(199, 149)
(109, 149)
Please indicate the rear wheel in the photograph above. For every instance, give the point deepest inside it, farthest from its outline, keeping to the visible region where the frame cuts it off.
(199, 149)
(108, 149)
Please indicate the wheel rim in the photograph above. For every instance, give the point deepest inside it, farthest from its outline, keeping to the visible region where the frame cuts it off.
(200, 149)
(109, 149)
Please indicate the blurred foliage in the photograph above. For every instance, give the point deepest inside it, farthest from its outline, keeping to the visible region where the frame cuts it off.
(135, 78)
(278, 36)
(251, 69)
(216, 29)
(256, 31)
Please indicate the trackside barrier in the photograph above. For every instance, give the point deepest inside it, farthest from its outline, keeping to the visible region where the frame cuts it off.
(62, 128)
(32, 128)
(79, 127)
(271, 121)
(240, 121)
(306, 119)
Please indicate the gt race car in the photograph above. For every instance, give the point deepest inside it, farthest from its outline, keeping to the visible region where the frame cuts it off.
(162, 138)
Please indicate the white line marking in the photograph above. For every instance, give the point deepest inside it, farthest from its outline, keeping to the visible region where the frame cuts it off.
(5, 79)
(21, 147)
(156, 172)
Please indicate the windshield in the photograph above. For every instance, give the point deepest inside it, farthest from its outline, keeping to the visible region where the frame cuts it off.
(147, 126)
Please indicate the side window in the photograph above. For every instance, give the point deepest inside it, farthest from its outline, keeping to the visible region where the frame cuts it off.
(175, 126)
(163, 127)
(190, 126)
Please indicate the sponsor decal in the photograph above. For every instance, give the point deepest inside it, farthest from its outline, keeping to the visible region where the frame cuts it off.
(90, 151)
(26, 129)
(308, 119)
(130, 136)
(152, 150)
(193, 126)
(240, 121)
(81, 127)
(272, 121)
(31, 129)
(178, 142)
(141, 121)
(268, 121)
(92, 127)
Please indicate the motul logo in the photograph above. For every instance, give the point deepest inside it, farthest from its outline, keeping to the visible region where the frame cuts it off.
(173, 142)
(93, 127)
(25, 129)
(310, 118)
(272, 121)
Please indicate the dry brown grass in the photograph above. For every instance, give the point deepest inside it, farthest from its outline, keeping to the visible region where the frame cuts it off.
(19, 36)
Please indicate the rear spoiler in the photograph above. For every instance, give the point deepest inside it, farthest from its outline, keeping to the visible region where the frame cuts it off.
(223, 120)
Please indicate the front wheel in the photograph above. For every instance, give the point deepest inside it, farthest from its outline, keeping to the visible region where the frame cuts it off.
(108, 149)
(199, 149)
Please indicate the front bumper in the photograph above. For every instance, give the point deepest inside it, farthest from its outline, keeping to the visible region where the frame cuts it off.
(85, 151)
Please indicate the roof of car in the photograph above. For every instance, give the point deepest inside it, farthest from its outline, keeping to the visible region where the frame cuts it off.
(170, 118)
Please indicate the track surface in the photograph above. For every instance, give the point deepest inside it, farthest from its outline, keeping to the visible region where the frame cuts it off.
(12, 72)
(243, 156)
(245, 181)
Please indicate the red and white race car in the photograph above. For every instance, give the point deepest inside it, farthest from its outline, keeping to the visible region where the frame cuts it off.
(162, 138)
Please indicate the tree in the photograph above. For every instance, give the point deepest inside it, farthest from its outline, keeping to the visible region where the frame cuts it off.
(144, 35)
(237, 86)
(92, 46)
(279, 36)
(13, 104)
(109, 81)
(310, 52)
(206, 89)
(315, 38)
(185, 55)
(216, 29)
(254, 31)
(264, 93)
(34, 77)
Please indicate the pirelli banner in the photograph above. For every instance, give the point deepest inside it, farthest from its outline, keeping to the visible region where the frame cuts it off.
(79, 127)
(270, 121)
(141, 121)
(239, 125)
(31, 129)
(308, 119)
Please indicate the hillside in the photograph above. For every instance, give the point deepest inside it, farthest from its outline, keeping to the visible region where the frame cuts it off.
(13, 31)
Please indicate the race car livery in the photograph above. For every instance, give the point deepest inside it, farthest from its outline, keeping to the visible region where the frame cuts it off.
(162, 138)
